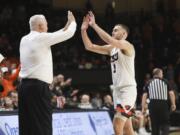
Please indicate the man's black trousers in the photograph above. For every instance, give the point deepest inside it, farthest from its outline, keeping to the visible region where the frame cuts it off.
(159, 115)
(35, 110)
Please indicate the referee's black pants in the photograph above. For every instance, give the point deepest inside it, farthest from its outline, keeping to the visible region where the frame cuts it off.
(35, 110)
(159, 115)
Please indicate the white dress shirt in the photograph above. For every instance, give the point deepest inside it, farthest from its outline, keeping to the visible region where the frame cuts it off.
(35, 53)
(1, 58)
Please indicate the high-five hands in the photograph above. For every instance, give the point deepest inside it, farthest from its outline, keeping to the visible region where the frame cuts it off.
(85, 23)
(91, 17)
(70, 18)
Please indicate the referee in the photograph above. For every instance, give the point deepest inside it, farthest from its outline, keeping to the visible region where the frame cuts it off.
(159, 93)
(35, 110)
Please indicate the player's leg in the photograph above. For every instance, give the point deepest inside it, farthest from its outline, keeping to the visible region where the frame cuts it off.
(128, 128)
(118, 123)
(123, 107)
(118, 120)
(127, 108)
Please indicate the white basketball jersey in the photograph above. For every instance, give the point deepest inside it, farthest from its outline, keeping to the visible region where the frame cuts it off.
(122, 68)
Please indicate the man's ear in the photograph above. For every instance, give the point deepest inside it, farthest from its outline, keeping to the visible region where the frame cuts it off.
(124, 34)
(40, 27)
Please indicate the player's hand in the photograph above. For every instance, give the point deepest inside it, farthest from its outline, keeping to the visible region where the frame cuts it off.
(91, 16)
(71, 17)
(85, 23)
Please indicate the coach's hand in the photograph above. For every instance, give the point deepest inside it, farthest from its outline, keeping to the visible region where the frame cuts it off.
(71, 17)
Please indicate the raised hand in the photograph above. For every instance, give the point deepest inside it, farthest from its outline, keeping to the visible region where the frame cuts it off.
(91, 18)
(71, 17)
(85, 23)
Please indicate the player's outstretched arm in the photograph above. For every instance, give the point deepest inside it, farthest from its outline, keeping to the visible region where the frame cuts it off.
(122, 44)
(104, 35)
(87, 42)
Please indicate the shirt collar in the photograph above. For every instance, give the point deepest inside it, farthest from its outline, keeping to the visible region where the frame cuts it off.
(34, 31)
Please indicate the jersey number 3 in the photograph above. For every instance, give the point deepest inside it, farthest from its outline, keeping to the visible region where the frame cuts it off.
(114, 68)
(113, 59)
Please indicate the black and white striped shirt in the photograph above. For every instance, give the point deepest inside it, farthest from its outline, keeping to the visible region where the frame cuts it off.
(157, 89)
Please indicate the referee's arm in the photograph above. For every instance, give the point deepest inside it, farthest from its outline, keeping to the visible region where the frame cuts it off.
(144, 98)
(172, 99)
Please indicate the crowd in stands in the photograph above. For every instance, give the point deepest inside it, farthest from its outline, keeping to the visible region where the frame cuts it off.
(64, 96)
(155, 36)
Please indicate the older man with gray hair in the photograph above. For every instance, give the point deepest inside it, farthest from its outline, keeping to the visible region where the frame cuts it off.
(35, 111)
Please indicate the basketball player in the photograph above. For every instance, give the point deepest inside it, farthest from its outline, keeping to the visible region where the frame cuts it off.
(122, 55)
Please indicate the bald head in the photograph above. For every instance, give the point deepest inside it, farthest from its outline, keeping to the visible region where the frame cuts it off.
(85, 98)
(108, 99)
(38, 23)
(157, 72)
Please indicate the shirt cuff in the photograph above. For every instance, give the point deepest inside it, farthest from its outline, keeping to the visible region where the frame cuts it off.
(73, 25)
